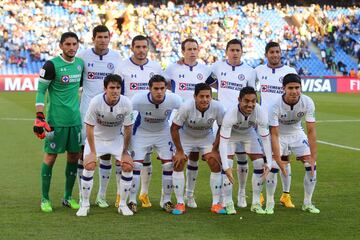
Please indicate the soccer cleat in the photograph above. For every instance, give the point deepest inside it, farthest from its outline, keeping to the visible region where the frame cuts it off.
(269, 210)
(145, 201)
(230, 209)
(285, 200)
(242, 201)
(83, 211)
(46, 205)
(179, 209)
(125, 210)
(117, 201)
(310, 208)
(71, 203)
(190, 202)
(218, 209)
(168, 207)
(101, 202)
(262, 200)
(256, 208)
(132, 206)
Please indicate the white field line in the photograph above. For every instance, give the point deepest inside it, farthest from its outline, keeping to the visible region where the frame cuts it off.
(17, 119)
(337, 121)
(338, 145)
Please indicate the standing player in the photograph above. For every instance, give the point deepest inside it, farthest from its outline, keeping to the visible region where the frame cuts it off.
(60, 77)
(232, 75)
(184, 77)
(136, 72)
(192, 131)
(288, 134)
(99, 61)
(269, 77)
(239, 125)
(107, 113)
(152, 130)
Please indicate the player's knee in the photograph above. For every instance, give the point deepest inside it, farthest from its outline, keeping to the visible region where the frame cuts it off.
(194, 156)
(285, 158)
(90, 166)
(105, 157)
(214, 165)
(167, 167)
(127, 164)
(179, 165)
(137, 167)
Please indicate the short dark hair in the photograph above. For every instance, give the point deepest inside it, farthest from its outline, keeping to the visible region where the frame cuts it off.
(201, 86)
(157, 78)
(112, 78)
(66, 35)
(270, 45)
(233, 41)
(139, 38)
(291, 78)
(100, 28)
(187, 40)
(245, 91)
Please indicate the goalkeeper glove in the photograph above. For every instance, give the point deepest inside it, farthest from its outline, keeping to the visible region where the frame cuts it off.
(39, 126)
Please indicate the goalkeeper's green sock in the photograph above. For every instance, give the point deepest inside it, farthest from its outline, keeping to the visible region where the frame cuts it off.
(70, 174)
(46, 172)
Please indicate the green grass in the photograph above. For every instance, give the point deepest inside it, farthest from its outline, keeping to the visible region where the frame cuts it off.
(336, 194)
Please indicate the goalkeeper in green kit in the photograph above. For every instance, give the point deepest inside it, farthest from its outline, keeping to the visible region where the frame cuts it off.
(61, 128)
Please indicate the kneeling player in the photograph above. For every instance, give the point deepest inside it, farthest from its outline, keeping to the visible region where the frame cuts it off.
(288, 135)
(191, 131)
(107, 114)
(152, 131)
(239, 127)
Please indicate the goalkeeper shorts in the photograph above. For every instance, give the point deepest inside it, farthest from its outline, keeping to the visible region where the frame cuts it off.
(64, 139)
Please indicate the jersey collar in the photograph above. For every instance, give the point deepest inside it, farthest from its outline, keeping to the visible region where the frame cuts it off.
(290, 105)
(111, 106)
(66, 60)
(191, 67)
(273, 69)
(233, 66)
(156, 104)
(141, 66)
(246, 116)
(101, 56)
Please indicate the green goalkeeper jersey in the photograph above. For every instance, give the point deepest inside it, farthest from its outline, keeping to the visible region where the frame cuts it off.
(62, 81)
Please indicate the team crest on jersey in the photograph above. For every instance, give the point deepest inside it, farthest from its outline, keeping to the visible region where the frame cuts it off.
(65, 79)
(91, 75)
(211, 121)
(224, 84)
(133, 86)
(151, 74)
(241, 77)
(79, 68)
(52, 145)
(110, 66)
(281, 79)
(300, 114)
(167, 112)
(186, 86)
(252, 124)
(120, 117)
(200, 76)
(264, 88)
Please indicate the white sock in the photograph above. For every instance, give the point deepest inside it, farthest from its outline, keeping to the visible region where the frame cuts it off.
(146, 174)
(179, 182)
(227, 187)
(271, 182)
(167, 171)
(309, 184)
(135, 182)
(80, 169)
(256, 180)
(104, 177)
(87, 181)
(125, 187)
(242, 173)
(286, 180)
(215, 186)
(191, 175)
(118, 178)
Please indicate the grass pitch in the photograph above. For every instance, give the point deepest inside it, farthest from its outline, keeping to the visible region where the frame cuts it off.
(336, 194)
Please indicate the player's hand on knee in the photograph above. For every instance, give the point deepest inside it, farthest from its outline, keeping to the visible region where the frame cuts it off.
(39, 125)
(213, 155)
(127, 163)
(281, 165)
(311, 161)
(178, 160)
(266, 171)
(229, 175)
(90, 161)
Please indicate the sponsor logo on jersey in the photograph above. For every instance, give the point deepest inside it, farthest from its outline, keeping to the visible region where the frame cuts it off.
(42, 72)
(271, 89)
(300, 114)
(90, 64)
(154, 120)
(281, 79)
(231, 85)
(151, 74)
(52, 145)
(97, 75)
(223, 73)
(79, 68)
(167, 112)
(186, 86)
(133, 75)
(120, 117)
(65, 79)
(139, 86)
(110, 66)
(211, 121)
(181, 75)
(199, 76)
(241, 77)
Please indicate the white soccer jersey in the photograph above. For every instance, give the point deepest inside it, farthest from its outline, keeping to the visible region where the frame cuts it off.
(108, 120)
(270, 81)
(136, 77)
(288, 117)
(96, 68)
(235, 122)
(195, 123)
(184, 78)
(231, 79)
(154, 117)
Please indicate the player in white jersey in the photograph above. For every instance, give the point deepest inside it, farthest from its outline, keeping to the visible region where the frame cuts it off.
(192, 131)
(107, 113)
(269, 77)
(184, 76)
(136, 72)
(232, 75)
(287, 134)
(99, 61)
(239, 126)
(152, 130)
